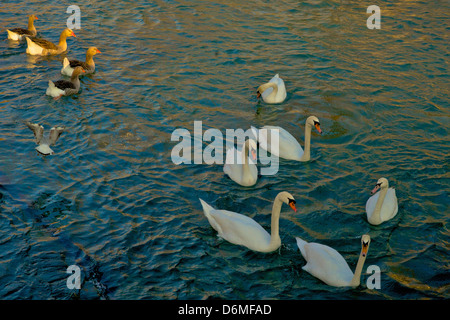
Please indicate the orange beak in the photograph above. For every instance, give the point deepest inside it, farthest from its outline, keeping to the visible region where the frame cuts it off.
(98, 51)
(364, 250)
(253, 155)
(318, 128)
(35, 18)
(292, 205)
(375, 189)
(73, 34)
(258, 95)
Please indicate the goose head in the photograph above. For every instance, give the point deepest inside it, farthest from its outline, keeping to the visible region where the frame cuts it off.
(77, 71)
(92, 51)
(381, 183)
(68, 33)
(313, 121)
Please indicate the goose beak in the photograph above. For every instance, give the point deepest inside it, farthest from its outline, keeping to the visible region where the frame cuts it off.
(98, 51)
(318, 128)
(73, 34)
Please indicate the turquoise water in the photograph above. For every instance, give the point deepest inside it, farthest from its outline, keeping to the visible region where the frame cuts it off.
(112, 202)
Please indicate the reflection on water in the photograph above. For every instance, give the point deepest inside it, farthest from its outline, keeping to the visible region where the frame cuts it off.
(111, 200)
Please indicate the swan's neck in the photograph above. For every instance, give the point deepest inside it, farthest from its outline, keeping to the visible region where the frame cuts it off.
(271, 85)
(275, 240)
(356, 280)
(376, 215)
(307, 152)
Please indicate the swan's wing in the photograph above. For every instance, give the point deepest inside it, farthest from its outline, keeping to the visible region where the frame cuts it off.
(239, 229)
(281, 94)
(37, 129)
(55, 132)
(326, 264)
(390, 205)
(371, 203)
(287, 146)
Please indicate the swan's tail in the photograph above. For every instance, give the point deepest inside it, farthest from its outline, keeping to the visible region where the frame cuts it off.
(206, 208)
(207, 211)
(301, 245)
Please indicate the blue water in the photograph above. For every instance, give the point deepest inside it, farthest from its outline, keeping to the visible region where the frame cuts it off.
(112, 202)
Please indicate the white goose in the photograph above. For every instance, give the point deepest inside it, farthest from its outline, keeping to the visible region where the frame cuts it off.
(239, 168)
(287, 146)
(242, 230)
(326, 264)
(382, 206)
(273, 91)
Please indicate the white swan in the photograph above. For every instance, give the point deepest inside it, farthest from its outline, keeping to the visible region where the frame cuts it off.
(326, 264)
(273, 91)
(238, 167)
(382, 206)
(287, 146)
(242, 230)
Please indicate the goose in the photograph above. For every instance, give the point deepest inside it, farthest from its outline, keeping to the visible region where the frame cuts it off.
(44, 143)
(238, 167)
(242, 230)
(287, 146)
(273, 91)
(42, 47)
(328, 265)
(88, 65)
(382, 206)
(18, 34)
(63, 87)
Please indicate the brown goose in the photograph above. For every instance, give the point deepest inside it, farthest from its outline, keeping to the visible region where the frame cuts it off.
(42, 47)
(88, 65)
(62, 87)
(18, 33)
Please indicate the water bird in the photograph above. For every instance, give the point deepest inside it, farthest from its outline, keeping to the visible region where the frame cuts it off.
(44, 143)
(273, 91)
(42, 47)
(88, 65)
(328, 265)
(242, 230)
(287, 146)
(18, 34)
(383, 205)
(238, 166)
(63, 87)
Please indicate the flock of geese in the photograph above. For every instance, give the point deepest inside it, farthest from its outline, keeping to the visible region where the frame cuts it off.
(56, 89)
(323, 262)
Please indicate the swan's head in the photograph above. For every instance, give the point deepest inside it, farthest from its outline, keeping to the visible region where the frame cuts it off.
(365, 241)
(287, 198)
(381, 183)
(313, 121)
(264, 87)
(252, 148)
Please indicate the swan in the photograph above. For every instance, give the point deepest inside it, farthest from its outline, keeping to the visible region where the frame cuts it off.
(44, 143)
(287, 146)
(237, 165)
(382, 206)
(273, 91)
(328, 265)
(242, 230)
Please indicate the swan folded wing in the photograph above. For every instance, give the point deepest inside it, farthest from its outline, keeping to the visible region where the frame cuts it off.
(328, 265)
(64, 84)
(390, 206)
(287, 146)
(239, 229)
(44, 43)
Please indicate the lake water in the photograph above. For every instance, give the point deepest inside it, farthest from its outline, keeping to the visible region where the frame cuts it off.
(112, 202)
